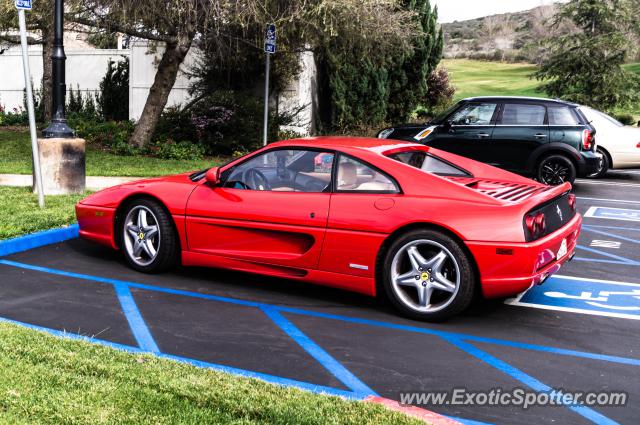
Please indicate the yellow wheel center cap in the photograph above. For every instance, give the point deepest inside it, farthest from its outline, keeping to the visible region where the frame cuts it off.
(425, 276)
(141, 236)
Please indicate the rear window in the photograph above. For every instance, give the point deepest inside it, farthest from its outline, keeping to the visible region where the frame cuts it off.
(523, 114)
(429, 164)
(562, 115)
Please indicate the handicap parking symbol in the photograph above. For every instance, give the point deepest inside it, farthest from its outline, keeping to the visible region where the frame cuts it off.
(585, 296)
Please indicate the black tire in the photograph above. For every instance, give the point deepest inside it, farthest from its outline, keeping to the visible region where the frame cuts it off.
(604, 166)
(555, 169)
(460, 299)
(168, 250)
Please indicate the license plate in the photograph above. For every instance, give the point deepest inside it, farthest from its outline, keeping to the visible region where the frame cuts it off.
(563, 250)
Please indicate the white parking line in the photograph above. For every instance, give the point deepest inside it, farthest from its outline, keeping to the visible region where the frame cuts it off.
(600, 183)
(620, 201)
(598, 243)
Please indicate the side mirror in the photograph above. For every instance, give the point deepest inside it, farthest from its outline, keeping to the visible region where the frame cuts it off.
(213, 176)
(447, 125)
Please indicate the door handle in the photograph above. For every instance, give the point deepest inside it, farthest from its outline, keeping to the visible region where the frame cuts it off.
(540, 136)
(483, 135)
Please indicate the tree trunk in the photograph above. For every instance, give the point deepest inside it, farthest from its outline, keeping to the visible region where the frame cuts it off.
(47, 75)
(165, 78)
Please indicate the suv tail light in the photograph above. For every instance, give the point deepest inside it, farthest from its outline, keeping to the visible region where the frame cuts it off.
(587, 140)
(572, 202)
(536, 225)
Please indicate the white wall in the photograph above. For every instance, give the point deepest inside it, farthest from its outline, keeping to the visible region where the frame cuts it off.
(144, 63)
(85, 69)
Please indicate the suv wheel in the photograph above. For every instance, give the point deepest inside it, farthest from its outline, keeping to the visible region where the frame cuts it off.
(554, 170)
(603, 166)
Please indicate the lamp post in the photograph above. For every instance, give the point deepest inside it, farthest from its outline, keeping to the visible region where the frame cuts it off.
(62, 155)
(58, 127)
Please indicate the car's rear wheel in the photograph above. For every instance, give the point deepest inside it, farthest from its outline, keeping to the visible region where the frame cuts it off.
(428, 276)
(603, 165)
(556, 169)
(149, 241)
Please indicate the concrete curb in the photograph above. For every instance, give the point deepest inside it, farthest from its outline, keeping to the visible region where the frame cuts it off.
(94, 183)
(415, 412)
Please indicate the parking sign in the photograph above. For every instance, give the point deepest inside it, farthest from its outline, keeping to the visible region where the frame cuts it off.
(270, 39)
(23, 4)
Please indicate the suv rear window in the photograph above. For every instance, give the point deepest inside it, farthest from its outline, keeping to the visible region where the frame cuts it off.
(429, 164)
(562, 115)
(523, 114)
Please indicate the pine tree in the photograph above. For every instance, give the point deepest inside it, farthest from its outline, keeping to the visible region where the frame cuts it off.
(409, 73)
(587, 67)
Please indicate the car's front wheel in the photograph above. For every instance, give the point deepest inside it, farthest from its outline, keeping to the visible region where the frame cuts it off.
(603, 166)
(428, 276)
(149, 241)
(556, 169)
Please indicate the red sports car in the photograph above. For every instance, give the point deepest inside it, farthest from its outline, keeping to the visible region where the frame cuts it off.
(425, 227)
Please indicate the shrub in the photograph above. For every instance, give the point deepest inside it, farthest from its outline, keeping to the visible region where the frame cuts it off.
(17, 116)
(626, 119)
(113, 100)
(111, 136)
(179, 150)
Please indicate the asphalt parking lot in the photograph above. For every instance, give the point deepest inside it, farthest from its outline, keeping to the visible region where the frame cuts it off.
(577, 332)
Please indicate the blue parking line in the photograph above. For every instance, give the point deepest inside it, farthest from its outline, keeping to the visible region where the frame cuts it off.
(318, 353)
(277, 380)
(36, 240)
(467, 337)
(526, 379)
(599, 226)
(136, 321)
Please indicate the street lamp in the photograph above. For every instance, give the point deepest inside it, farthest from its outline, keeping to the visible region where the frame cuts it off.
(58, 127)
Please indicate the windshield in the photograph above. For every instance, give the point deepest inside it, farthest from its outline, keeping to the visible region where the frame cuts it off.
(593, 114)
(440, 118)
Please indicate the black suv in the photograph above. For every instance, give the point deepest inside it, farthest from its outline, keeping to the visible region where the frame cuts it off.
(550, 140)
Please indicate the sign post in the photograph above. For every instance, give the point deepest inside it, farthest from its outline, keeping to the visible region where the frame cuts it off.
(23, 5)
(269, 49)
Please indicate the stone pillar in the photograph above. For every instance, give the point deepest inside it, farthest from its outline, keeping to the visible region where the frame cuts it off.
(63, 165)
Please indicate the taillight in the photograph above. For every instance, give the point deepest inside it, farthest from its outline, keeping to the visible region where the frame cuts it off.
(536, 225)
(572, 202)
(587, 140)
(638, 145)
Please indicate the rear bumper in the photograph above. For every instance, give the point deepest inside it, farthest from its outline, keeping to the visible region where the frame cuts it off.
(509, 269)
(588, 163)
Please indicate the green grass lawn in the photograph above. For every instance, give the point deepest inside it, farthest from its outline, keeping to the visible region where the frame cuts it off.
(482, 78)
(15, 158)
(20, 212)
(44, 379)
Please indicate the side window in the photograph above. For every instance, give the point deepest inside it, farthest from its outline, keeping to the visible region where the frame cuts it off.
(354, 176)
(523, 114)
(474, 114)
(562, 115)
(283, 171)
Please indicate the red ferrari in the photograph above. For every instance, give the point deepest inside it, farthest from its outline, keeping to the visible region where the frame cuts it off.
(427, 228)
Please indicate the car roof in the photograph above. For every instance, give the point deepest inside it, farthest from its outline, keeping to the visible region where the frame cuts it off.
(523, 98)
(346, 143)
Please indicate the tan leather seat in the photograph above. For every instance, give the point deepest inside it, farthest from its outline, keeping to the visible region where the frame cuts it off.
(347, 176)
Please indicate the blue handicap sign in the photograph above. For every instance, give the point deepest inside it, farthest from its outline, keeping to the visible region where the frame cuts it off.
(597, 297)
(613, 213)
(23, 4)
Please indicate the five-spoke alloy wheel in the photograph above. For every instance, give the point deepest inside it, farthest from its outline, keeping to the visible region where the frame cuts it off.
(428, 276)
(148, 239)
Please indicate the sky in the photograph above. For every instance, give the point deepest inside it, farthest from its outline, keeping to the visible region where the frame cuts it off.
(461, 10)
